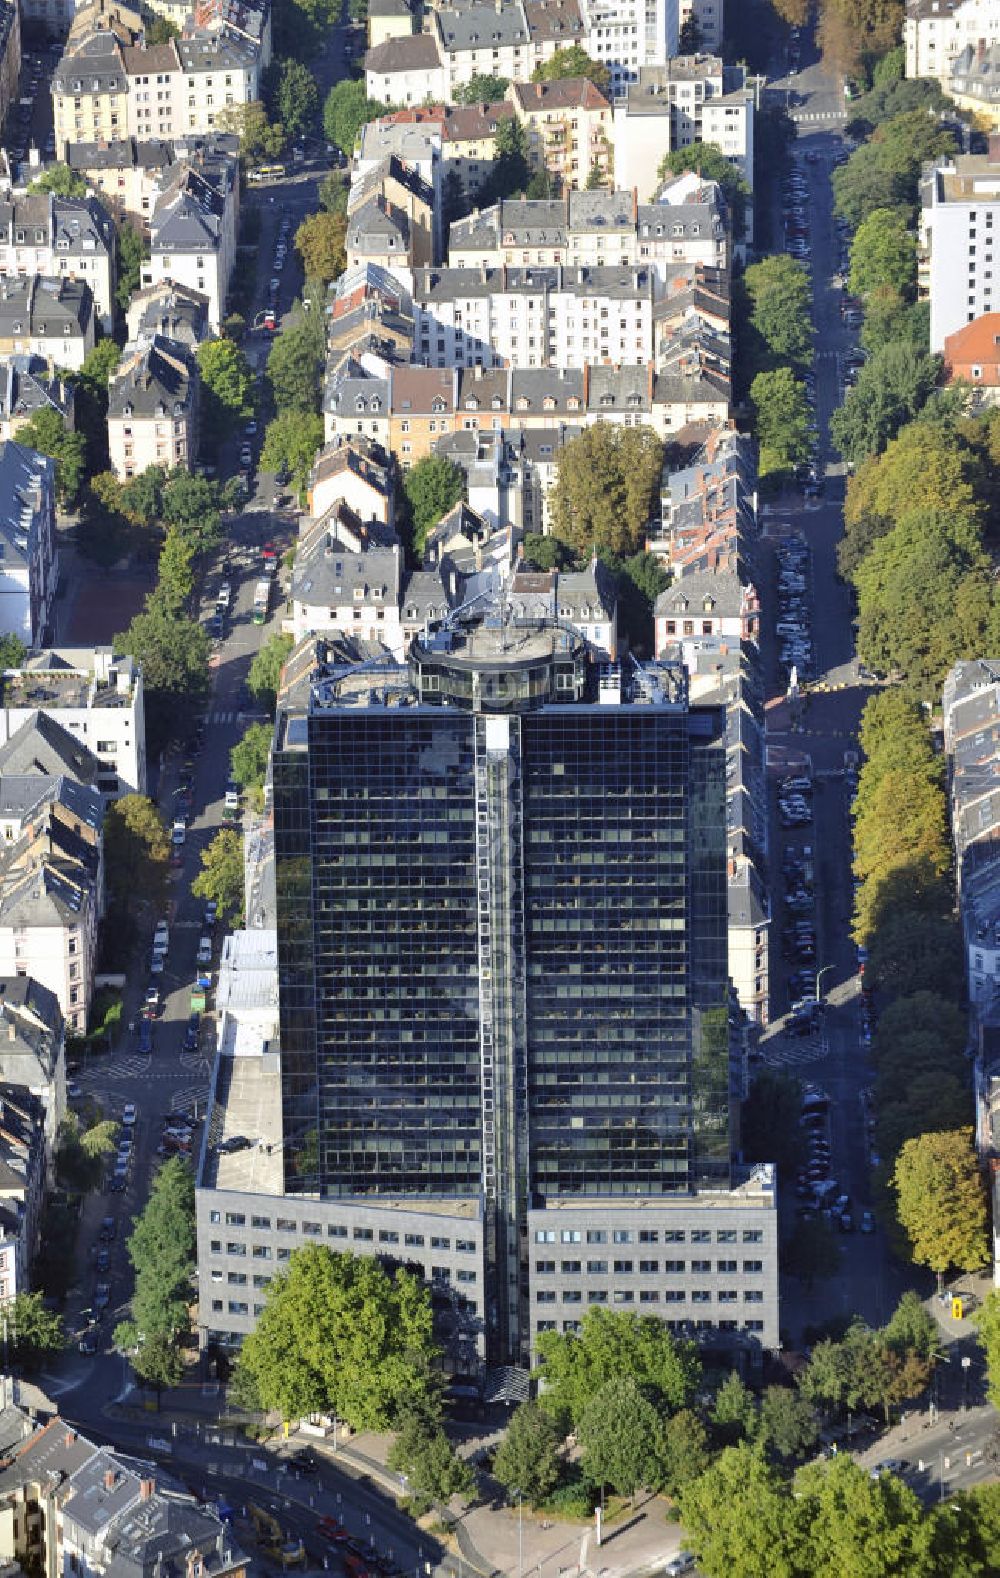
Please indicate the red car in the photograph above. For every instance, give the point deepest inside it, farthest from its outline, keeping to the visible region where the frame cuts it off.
(331, 1529)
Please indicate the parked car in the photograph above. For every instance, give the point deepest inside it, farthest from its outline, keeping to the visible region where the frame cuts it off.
(128, 1114)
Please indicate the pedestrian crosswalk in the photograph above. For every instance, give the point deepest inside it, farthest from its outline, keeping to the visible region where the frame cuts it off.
(779, 1053)
(192, 1099)
(225, 717)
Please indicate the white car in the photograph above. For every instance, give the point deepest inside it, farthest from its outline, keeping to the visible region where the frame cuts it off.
(156, 964)
(178, 832)
(128, 1114)
(161, 937)
(205, 951)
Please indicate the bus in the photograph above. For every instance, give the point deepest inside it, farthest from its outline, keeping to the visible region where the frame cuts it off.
(261, 601)
(266, 172)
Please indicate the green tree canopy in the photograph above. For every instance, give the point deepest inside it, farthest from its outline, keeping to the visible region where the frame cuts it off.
(926, 467)
(80, 1153)
(321, 242)
(220, 879)
(529, 1457)
(734, 1411)
(173, 653)
(33, 1332)
(883, 255)
(941, 1201)
(346, 109)
(47, 433)
(781, 417)
(988, 1334)
(431, 487)
(433, 1469)
(292, 96)
(292, 440)
(136, 854)
(12, 651)
(605, 489)
(884, 172)
(740, 1521)
(333, 190)
(61, 181)
(481, 88)
(685, 1452)
(175, 577)
(339, 1334)
(611, 1345)
(770, 1128)
(787, 1424)
(133, 252)
(780, 300)
(510, 170)
(294, 366)
(226, 386)
(619, 1434)
(259, 138)
(892, 388)
(573, 61)
(265, 670)
(160, 30)
(891, 320)
(250, 759)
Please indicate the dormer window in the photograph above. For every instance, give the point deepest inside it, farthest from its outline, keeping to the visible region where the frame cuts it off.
(523, 403)
(472, 404)
(496, 403)
(549, 404)
(573, 403)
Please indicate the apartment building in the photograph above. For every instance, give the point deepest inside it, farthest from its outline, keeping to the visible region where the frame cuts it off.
(408, 409)
(935, 32)
(974, 83)
(170, 310)
(569, 130)
(153, 408)
(52, 891)
(348, 579)
(626, 35)
(124, 171)
(29, 570)
(406, 69)
(357, 473)
(595, 228)
(27, 385)
(33, 1046)
(693, 98)
(533, 317)
(104, 1513)
(90, 91)
(51, 318)
(24, 1155)
(959, 217)
(70, 237)
(96, 696)
(247, 22)
(707, 603)
(389, 19)
(465, 136)
(192, 231)
(10, 55)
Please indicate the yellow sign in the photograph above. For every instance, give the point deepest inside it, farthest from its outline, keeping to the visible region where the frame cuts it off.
(956, 1309)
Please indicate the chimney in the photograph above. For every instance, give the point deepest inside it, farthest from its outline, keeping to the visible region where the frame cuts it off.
(69, 1438)
(12, 1031)
(146, 1489)
(980, 50)
(635, 205)
(110, 1479)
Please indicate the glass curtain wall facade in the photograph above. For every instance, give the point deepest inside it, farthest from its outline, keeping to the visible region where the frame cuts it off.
(502, 953)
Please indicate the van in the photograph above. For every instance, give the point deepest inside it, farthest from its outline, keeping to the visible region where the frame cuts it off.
(232, 799)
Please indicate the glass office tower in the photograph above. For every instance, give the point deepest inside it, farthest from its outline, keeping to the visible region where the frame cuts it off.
(502, 935)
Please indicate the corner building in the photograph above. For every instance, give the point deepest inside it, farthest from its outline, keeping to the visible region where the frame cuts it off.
(501, 893)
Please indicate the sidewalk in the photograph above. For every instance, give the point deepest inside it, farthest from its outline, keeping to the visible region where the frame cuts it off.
(526, 1543)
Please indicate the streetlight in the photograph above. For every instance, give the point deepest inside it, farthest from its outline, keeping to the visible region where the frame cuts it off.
(819, 977)
(520, 1534)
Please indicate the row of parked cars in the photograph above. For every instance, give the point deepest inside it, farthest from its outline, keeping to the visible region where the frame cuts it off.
(793, 625)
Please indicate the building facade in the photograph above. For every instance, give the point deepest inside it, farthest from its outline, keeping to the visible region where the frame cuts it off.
(935, 32)
(548, 1038)
(96, 695)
